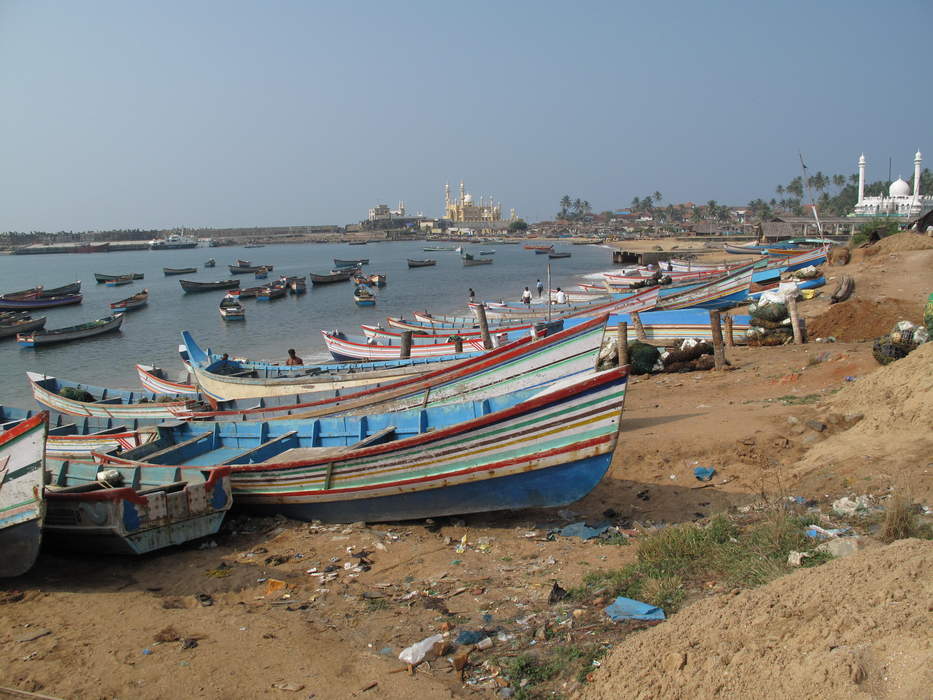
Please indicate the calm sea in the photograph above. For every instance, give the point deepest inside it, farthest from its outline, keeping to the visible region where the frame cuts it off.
(151, 335)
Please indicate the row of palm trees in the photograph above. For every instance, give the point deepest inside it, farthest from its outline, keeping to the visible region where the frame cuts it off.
(573, 209)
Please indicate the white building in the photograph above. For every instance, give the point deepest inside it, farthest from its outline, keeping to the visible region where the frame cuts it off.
(900, 200)
(381, 212)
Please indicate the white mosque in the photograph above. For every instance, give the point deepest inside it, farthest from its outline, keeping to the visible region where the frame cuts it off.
(900, 200)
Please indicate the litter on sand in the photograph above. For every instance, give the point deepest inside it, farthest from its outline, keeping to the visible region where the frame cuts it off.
(628, 609)
(583, 531)
(704, 473)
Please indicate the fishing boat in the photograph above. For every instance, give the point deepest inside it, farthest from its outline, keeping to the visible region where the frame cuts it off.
(179, 270)
(297, 285)
(556, 256)
(119, 281)
(487, 252)
(438, 248)
(331, 277)
(243, 263)
(137, 301)
(717, 294)
(344, 348)
(20, 324)
(210, 263)
(156, 380)
(69, 436)
(522, 363)
(540, 251)
(363, 296)
(39, 302)
(350, 263)
(245, 269)
(421, 263)
(190, 286)
(470, 261)
(173, 241)
(230, 307)
(535, 246)
(377, 280)
(511, 451)
(357, 242)
(22, 477)
(272, 291)
(101, 277)
(262, 273)
(40, 291)
(420, 333)
(35, 338)
(250, 292)
(132, 510)
(669, 326)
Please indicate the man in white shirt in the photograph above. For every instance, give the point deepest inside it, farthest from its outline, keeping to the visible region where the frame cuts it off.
(560, 297)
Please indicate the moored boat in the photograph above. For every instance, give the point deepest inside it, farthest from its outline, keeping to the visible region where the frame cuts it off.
(277, 290)
(40, 291)
(377, 280)
(297, 285)
(421, 263)
(101, 277)
(245, 269)
(507, 452)
(172, 242)
(40, 302)
(20, 324)
(156, 380)
(35, 338)
(350, 263)
(210, 262)
(22, 477)
(192, 286)
(364, 296)
(536, 246)
(137, 301)
(119, 281)
(330, 277)
(470, 261)
(557, 255)
(230, 307)
(167, 271)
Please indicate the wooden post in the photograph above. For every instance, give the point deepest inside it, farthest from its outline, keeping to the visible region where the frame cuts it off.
(405, 351)
(483, 326)
(458, 344)
(622, 342)
(639, 329)
(730, 340)
(719, 355)
(791, 301)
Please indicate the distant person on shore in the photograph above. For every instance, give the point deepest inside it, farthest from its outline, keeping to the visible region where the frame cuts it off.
(472, 295)
(560, 297)
(539, 285)
(526, 297)
(293, 359)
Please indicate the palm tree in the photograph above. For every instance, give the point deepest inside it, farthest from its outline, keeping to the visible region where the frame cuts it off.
(779, 189)
(711, 207)
(636, 203)
(565, 202)
(657, 197)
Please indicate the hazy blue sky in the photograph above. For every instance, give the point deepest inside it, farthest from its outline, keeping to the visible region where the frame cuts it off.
(158, 114)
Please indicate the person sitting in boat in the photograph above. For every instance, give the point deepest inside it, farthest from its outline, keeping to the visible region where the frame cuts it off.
(293, 359)
(560, 297)
(526, 297)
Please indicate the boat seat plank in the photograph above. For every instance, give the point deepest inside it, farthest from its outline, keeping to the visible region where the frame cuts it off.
(109, 431)
(65, 429)
(179, 447)
(257, 454)
(111, 400)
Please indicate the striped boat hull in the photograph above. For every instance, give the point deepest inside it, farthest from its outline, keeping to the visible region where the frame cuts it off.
(22, 453)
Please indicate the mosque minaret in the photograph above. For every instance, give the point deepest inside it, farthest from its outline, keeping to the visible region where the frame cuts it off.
(900, 201)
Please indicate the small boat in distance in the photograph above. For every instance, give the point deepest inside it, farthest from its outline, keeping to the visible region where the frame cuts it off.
(262, 273)
(39, 302)
(276, 290)
(101, 277)
(230, 307)
(20, 324)
(190, 286)
(297, 285)
(555, 255)
(434, 248)
(333, 276)
(487, 252)
(421, 263)
(44, 292)
(377, 280)
(119, 281)
(240, 269)
(210, 263)
(179, 270)
(470, 261)
(350, 263)
(137, 301)
(546, 247)
(69, 333)
(363, 296)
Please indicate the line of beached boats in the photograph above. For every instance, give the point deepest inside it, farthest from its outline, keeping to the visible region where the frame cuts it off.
(523, 413)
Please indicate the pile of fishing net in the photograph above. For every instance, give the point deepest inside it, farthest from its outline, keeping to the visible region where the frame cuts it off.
(899, 343)
(688, 356)
(77, 394)
(770, 321)
(643, 357)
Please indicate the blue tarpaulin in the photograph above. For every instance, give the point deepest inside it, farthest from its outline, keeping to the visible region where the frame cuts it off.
(584, 531)
(628, 609)
(704, 473)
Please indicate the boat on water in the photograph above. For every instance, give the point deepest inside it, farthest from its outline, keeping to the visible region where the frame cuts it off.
(44, 292)
(230, 307)
(119, 281)
(515, 450)
(167, 271)
(276, 290)
(333, 276)
(137, 301)
(35, 338)
(210, 263)
(191, 286)
(558, 255)
(101, 277)
(357, 242)
(438, 248)
(470, 261)
(173, 242)
(20, 324)
(350, 263)
(39, 302)
(377, 280)
(421, 263)
(538, 246)
(22, 479)
(297, 284)
(246, 269)
(261, 274)
(487, 252)
(364, 296)
(250, 292)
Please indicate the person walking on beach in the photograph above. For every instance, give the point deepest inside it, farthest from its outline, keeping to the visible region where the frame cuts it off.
(293, 359)
(539, 285)
(526, 297)
(472, 295)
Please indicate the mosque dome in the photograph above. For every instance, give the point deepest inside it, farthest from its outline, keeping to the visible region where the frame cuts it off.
(899, 188)
(468, 199)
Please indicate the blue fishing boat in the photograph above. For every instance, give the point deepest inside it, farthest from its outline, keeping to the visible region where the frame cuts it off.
(364, 296)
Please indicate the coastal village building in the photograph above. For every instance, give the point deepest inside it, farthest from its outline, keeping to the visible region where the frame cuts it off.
(900, 202)
(381, 212)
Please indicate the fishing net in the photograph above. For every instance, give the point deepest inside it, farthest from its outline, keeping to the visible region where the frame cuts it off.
(642, 357)
(768, 311)
(76, 394)
(770, 325)
(886, 350)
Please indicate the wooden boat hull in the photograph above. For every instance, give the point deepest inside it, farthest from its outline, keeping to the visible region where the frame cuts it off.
(342, 276)
(153, 379)
(422, 263)
(65, 335)
(101, 278)
(191, 287)
(468, 262)
(137, 301)
(169, 271)
(560, 445)
(343, 348)
(557, 256)
(22, 509)
(40, 302)
(16, 327)
(720, 294)
(119, 282)
(245, 269)
(350, 263)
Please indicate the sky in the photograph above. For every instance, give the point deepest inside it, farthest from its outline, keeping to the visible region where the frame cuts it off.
(131, 114)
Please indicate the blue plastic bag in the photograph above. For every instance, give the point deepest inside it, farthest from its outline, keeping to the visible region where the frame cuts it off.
(628, 609)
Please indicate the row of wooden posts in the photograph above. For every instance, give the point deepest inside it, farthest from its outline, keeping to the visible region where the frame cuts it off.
(716, 324)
